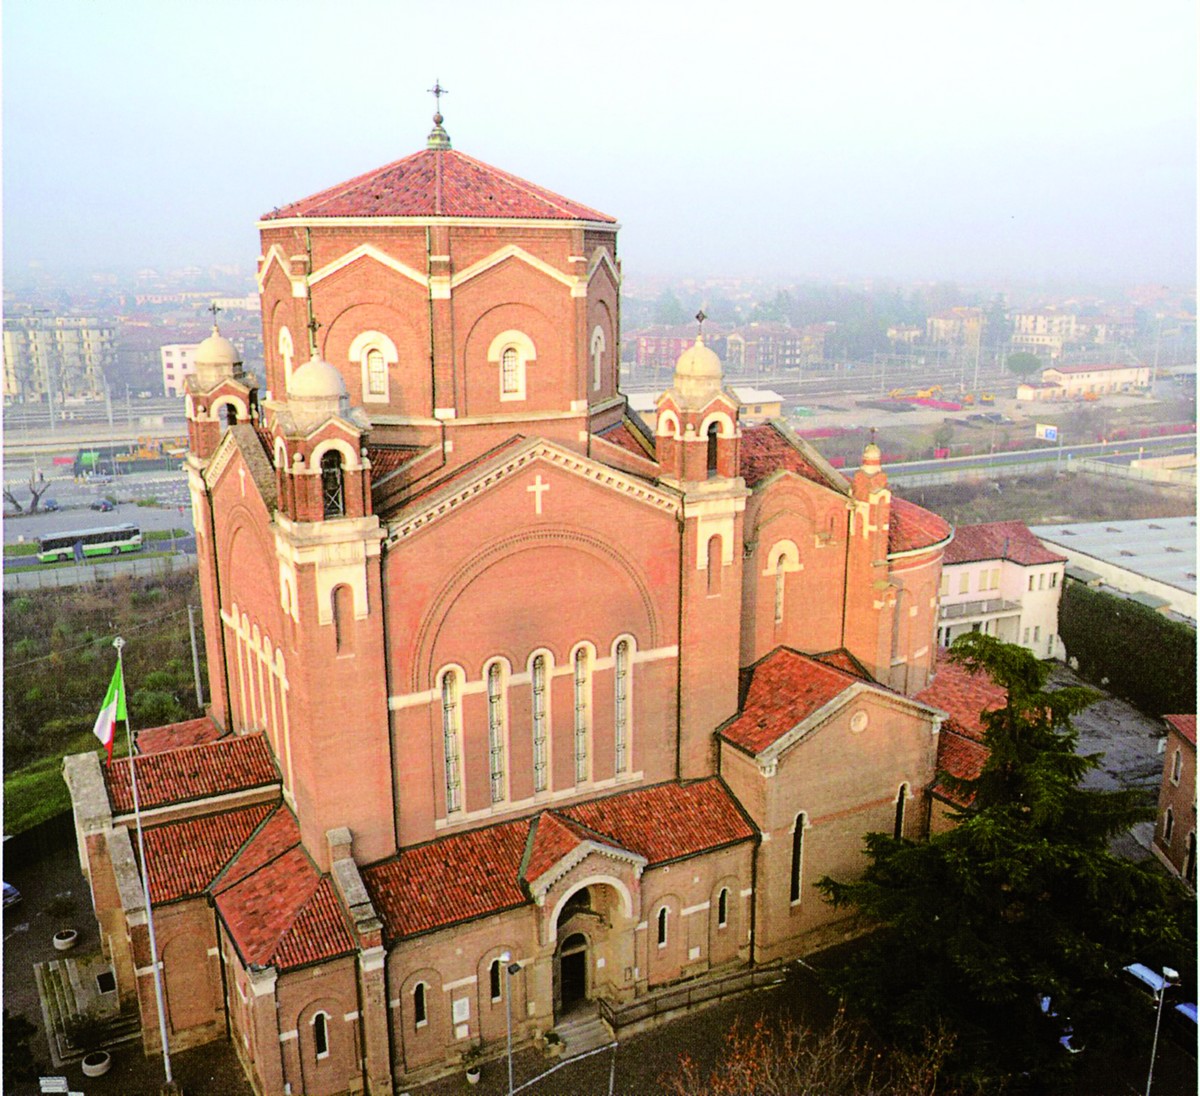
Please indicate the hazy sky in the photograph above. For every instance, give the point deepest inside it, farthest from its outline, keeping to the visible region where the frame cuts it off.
(1041, 139)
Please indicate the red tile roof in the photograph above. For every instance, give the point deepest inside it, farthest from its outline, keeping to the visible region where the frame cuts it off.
(1009, 540)
(961, 757)
(231, 764)
(386, 459)
(439, 183)
(185, 857)
(474, 874)
(1185, 725)
(910, 527)
(279, 910)
(841, 659)
(192, 732)
(453, 879)
(764, 450)
(623, 435)
(963, 695)
(786, 688)
(668, 821)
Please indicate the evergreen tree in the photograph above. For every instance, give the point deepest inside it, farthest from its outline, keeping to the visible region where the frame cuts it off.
(1022, 898)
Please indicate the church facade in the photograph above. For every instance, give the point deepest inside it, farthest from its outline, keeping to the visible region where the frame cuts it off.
(515, 704)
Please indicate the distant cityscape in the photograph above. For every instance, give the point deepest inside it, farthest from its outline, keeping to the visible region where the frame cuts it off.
(109, 337)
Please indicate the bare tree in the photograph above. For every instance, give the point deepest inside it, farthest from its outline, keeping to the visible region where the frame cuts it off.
(11, 499)
(37, 488)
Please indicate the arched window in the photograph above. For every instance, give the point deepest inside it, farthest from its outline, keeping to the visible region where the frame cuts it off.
(597, 356)
(420, 1015)
(1168, 826)
(495, 696)
(538, 683)
(510, 372)
(320, 1026)
(1177, 767)
(333, 494)
(621, 706)
(714, 566)
(450, 723)
(723, 908)
(494, 980)
(713, 432)
(901, 797)
(780, 576)
(376, 373)
(581, 716)
(286, 352)
(662, 927)
(227, 414)
(797, 856)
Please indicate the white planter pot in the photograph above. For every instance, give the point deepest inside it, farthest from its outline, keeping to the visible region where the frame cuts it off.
(473, 1075)
(96, 1064)
(65, 940)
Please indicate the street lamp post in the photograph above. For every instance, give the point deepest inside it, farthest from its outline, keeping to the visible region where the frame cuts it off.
(1169, 978)
(510, 968)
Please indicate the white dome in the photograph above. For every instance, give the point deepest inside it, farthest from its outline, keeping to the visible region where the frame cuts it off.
(316, 379)
(216, 350)
(698, 361)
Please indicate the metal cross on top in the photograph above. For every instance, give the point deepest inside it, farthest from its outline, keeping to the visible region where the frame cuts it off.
(437, 91)
(214, 308)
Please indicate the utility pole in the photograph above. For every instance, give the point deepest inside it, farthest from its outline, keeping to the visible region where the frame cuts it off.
(195, 658)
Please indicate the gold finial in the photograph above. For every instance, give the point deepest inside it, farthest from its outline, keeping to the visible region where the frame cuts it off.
(438, 137)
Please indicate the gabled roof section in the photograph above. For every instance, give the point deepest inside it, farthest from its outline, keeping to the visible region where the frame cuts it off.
(233, 764)
(625, 435)
(173, 736)
(1010, 540)
(439, 183)
(785, 688)
(963, 696)
(185, 857)
(280, 911)
(771, 447)
(556, 844)
(841, 659)
(1185, 725)
(960, 757)
(912, 528)
(475, 874)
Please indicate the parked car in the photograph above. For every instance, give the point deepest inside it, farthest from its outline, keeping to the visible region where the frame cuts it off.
(50, 505)
(11, 895)
(103, 505)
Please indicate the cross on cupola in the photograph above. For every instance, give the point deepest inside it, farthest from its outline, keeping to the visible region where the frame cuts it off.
(701, 316)
(214, 308)
(438, 137)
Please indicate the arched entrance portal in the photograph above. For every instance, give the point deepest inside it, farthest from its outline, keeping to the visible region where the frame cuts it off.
(592, 931)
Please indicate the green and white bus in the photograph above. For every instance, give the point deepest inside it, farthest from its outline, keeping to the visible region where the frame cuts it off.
(110, 541)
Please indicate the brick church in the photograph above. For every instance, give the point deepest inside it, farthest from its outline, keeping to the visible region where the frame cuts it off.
(493, 669)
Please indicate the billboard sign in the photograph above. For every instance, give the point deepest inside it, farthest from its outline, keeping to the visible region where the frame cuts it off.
(1046, 432)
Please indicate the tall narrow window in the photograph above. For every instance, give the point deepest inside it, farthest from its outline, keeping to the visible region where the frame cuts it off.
(343, 617)
(597, 356)
(320, 1023)
(494, 979)
(662, 927)
(714, 565)
(713, 432)
(797, 856)
(510, 371)
(723, 908)
(376, 373)
(779, 580)
(333, 496)
(621, 713)
(1177, 767)
(1168, 826)
(495, 695)
(901, 796)
(450, 741)
(539, 724)
(581, 716)
(420, 1016)
(1189, 864)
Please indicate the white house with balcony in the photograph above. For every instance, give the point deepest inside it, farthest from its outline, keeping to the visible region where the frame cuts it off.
(998, 578)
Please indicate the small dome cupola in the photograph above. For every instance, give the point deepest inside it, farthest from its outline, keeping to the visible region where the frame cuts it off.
(438, 138)
(216, 359)
(316, 392)
(697, 374)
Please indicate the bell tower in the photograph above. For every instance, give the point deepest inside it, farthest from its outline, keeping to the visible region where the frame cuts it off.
(697, 446)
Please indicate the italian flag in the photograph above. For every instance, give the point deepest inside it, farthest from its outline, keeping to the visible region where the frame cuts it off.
(114, 709)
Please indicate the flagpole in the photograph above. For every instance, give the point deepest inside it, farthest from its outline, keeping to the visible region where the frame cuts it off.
(119, 643)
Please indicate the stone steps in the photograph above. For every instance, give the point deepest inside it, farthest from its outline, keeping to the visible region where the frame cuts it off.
(64, 992)
(583, 1034)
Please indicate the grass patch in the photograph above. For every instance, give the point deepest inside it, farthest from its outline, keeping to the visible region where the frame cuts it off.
(28, 549)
